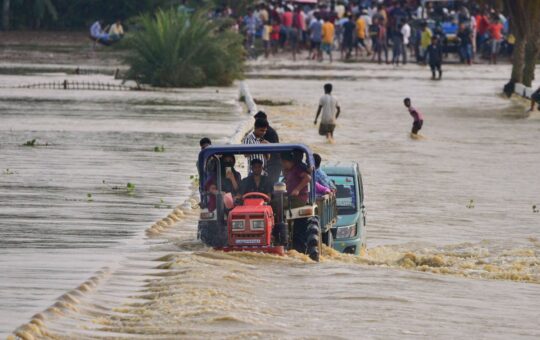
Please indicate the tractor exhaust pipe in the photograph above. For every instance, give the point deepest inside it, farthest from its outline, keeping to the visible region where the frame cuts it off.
(281, 229)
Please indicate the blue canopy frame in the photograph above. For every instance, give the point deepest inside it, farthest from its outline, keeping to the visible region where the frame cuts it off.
(247, 149)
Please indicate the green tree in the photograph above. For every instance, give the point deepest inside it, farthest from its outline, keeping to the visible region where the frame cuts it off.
(41, 8)
(238, 6)
(5, 14)
(176, 49)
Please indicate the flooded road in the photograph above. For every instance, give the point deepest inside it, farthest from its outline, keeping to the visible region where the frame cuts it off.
(435, 268)
(65, 206)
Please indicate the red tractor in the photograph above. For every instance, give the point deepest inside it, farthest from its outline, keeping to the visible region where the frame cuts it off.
(251, 225)
(254, 224)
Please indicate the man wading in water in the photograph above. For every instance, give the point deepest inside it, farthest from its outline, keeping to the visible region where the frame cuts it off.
(329, 106)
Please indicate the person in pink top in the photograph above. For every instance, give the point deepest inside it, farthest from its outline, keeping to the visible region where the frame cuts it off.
(286, 26)
(287, 17)
(321, 190)
(417, 116)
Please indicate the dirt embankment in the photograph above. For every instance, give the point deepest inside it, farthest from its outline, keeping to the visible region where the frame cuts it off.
(73, 48)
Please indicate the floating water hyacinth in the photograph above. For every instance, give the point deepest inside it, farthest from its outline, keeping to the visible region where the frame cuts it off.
(159, 148)
(471, 204)
(33, 142)
(30, 142)
(130, 187)
(535, 209)
(271, 102)
(162, 205)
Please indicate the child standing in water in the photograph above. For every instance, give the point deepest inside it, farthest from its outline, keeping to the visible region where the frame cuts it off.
(417, 116)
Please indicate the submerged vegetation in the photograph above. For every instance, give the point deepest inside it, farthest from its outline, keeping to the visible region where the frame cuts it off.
(30, 142)
(129, 188)
(159, 148)
(33, 142)
(270, 102)
(177, 49)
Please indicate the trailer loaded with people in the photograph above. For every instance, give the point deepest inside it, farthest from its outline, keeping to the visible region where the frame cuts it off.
(288, 216)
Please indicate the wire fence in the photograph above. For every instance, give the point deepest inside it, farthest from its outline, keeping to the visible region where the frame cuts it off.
(82, 85)
(91, 85)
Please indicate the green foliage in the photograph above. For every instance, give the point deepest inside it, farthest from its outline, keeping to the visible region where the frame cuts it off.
(30, 142)
(194, 180)
(269, 102)
(177, 49)
(34, 142)
(89, 197)
(162, 205)
(130, 188)
(61, 14)
(159, 148)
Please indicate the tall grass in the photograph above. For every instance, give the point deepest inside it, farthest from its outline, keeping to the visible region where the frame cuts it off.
(175, 49)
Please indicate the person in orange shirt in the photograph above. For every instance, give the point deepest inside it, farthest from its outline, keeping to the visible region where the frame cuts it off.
(328, 32)
(361, 29)
(495, 32)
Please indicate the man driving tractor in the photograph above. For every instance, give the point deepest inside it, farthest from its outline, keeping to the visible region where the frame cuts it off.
(256, 181)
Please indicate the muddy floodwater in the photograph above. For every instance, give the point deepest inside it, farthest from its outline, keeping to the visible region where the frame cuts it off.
(453, 239)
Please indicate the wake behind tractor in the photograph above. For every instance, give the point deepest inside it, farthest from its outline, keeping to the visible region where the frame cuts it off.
(258, 222)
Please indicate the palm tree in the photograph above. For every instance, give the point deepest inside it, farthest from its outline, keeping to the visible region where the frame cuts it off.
(40, 8)
(177, 49)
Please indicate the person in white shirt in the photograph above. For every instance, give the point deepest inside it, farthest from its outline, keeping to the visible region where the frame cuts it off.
(116, 32)
(97, 32)
(329, 106)
(474, 31)
(406, 32)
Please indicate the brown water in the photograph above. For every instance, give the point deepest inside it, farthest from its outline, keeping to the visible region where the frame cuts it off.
(52, 235)
(435, 268)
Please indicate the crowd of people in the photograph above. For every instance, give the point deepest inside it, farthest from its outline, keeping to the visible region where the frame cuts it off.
(389, 31)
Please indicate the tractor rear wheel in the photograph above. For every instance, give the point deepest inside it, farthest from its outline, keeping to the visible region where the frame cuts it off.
(313, 241)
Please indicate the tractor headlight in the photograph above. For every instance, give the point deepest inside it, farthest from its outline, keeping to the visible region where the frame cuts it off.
(257, 224)
(238, 224)
(346, 232)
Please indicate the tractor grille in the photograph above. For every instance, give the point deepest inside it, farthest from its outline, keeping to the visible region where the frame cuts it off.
(248, 236)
